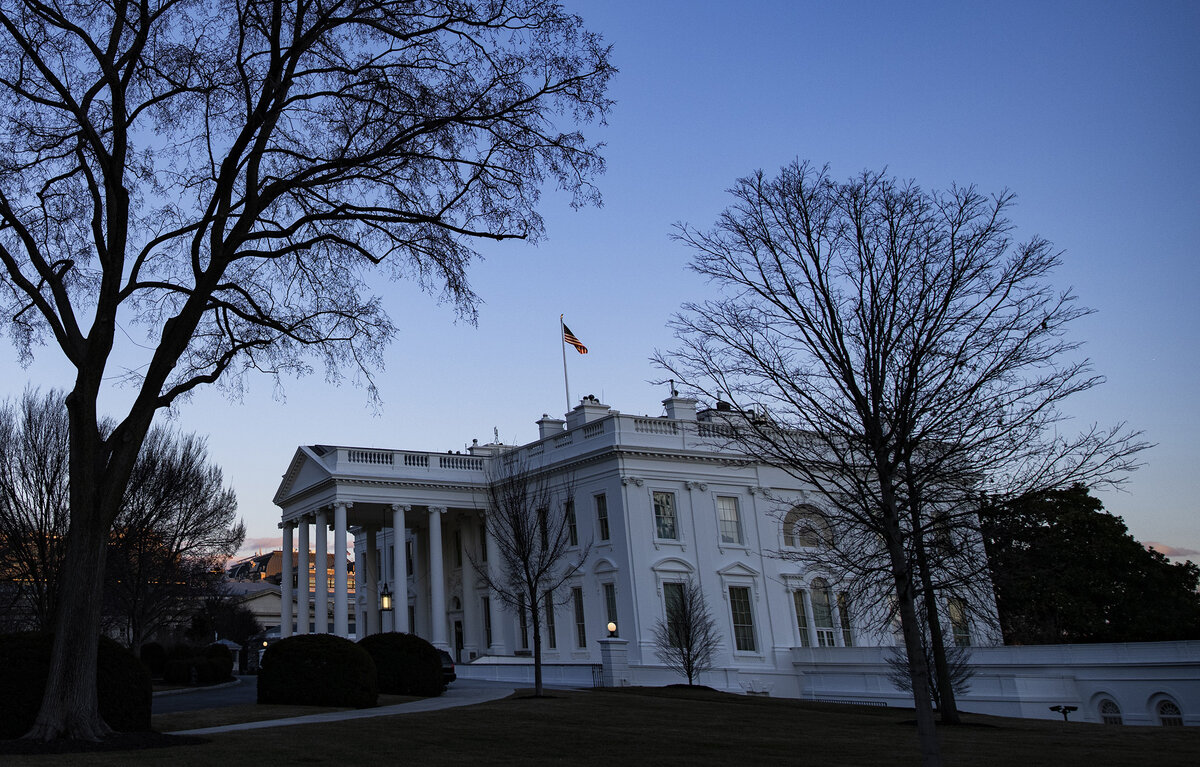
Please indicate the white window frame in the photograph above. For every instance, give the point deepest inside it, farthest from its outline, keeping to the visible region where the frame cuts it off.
(678, 537)
(738, 525)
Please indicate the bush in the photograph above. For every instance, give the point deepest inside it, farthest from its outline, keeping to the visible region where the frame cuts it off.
(406, 663)
(317, 670)
(220, 661)
(122, 684)
(154, 656)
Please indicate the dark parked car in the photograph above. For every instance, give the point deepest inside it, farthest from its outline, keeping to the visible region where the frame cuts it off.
(448, 674)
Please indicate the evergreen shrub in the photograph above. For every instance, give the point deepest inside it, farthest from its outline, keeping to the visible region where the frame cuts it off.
(406, 663)
(317, 670)
(122, 684)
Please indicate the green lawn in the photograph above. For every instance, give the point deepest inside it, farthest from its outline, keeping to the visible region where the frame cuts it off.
(657, 726)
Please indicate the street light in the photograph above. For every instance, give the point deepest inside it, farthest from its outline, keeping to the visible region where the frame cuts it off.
(385, 599)
(612, 629)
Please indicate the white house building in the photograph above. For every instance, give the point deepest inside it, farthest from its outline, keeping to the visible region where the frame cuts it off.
(661, 502)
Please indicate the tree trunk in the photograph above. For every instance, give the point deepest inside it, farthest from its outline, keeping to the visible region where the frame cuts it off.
(70, 707)
(536, 625)
(927, 737)
(947, 706)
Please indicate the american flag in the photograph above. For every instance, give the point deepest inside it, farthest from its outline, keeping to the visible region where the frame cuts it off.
(570, 338)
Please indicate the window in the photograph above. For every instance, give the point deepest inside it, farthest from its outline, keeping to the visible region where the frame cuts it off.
(412, 619)
(572, 530)
(960, 627)
(580, 624)
(664, 516)
(1110, 712)
(524, 622)
(551, 641)
(602, 517)
(487, 620)
(673, 602)
(743, 619)
(458, 548)
(822, 607)
(483, 543)
(805, 527)
(610, 605)
(1169, 714)
(731, 523)
(843, 603)
(801, 617)
(543, 516)
(408, 560)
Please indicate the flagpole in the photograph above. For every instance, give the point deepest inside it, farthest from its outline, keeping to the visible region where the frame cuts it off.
(562, 339)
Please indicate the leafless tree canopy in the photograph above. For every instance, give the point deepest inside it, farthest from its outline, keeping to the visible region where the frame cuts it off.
(687, 638)
(222, 178)
(530, 523)
(896, 349)
(176, 527)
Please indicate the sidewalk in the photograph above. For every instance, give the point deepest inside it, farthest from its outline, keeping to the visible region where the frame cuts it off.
(465, 695)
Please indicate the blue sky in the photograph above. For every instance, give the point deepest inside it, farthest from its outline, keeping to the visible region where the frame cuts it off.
(1088, 111)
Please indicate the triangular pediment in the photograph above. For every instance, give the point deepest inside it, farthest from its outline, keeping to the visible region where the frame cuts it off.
(305, 470)
(738, 570)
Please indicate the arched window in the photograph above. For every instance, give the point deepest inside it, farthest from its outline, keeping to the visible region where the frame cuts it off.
(1169, 714)
(1110, 712)
(805, 527)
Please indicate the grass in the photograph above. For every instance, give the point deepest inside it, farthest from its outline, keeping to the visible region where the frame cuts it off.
(668, 726)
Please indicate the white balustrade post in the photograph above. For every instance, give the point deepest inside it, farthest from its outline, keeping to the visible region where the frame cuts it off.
(341, 618)
(285, 583)
(437, 579)
(321, 574)
(302, 584)
(399, 570)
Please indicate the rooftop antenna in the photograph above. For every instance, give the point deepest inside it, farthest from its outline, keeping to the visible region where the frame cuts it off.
(496, 435)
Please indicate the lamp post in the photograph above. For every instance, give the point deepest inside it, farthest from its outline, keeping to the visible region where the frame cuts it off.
(612, 629)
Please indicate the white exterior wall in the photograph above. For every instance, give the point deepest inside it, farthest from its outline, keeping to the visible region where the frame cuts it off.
(628, 459)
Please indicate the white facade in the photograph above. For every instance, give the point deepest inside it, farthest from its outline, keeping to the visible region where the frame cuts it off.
(661, 502)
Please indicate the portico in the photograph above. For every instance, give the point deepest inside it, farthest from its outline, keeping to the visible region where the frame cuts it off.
(411, 517)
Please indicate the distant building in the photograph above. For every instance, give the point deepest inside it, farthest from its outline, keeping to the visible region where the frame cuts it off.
(255, 581)
(663, 502)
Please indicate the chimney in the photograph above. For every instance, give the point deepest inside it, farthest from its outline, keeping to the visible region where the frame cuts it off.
(548, 427)
(680, 408)
(589, 409)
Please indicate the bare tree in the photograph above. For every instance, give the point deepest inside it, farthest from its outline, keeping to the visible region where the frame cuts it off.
(176, 526)
(176, 529)
(533, 548)
(687, 638)
(898, 349)
(33, 505)
(225, 175)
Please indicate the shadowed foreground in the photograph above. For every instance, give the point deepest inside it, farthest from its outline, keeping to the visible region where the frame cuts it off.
(668, 726)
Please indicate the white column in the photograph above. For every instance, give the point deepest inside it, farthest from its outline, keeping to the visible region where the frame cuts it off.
(437, 579)
(472, 623)
(497, 647)
(321, 574)
(808, 616)
(368, 585)
(399, 570)
(838, 639)
(302, 584)
(285, 583)
(341, 618)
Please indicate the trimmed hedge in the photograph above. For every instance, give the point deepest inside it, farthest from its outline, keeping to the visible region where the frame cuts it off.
(317, 670)
(407, 664)
(122, 684)
(154, 655)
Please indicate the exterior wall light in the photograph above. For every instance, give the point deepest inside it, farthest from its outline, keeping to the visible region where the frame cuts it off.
(385, 599)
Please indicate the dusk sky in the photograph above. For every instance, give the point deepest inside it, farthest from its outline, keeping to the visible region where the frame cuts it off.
(1088, 111)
